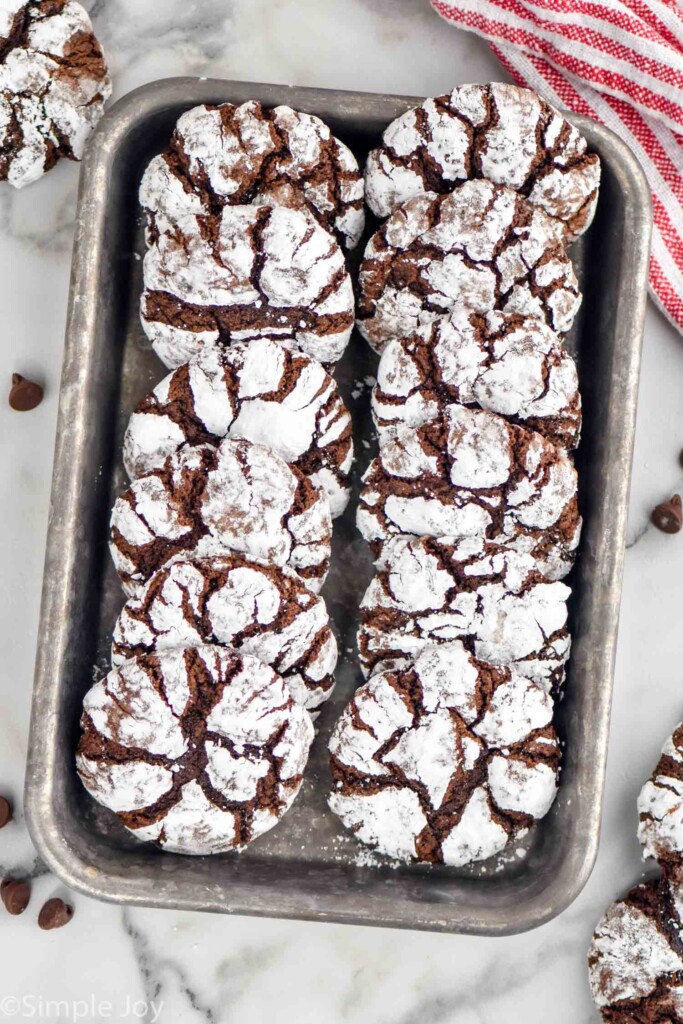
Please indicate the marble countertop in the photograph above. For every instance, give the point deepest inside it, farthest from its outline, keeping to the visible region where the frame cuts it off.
(120, 964)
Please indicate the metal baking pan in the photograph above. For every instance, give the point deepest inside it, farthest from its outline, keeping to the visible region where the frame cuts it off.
(308, 867)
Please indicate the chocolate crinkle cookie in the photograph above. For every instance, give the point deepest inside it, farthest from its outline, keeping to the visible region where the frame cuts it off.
(446, 761)
(427, 592)
(510, 364)
(206, 501)
(238, 155)
(500, 132)
(199, 750)
(259, 609)
(249, 271)
(53, 85)
(635, 961)
(471, 473)
(482, 245)
(258, 390)
(660, 806)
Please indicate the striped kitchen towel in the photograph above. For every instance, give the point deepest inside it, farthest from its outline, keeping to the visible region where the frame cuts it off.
(621, 62)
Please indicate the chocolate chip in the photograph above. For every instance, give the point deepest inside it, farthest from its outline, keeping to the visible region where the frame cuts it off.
(24, 394)
(668, 517)
(54, 914)
(6, 814)
(15, 895)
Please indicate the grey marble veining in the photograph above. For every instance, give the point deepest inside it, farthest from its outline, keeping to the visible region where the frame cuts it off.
(153, 965)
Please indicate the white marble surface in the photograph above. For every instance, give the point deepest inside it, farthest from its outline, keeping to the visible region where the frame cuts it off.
(202, 967)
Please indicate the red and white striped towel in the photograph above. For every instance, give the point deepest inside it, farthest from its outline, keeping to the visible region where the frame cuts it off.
(621, 62)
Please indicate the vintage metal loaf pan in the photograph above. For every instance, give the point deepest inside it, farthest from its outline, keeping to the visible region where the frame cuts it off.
(307, 867)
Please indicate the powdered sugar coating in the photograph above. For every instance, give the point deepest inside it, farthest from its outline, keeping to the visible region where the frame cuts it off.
(431, 592)
(660, 805)
(255, 389)
(482, 245)
(500, 132)
(199, 749)
(251, 272)
(635, 961)
(469, 473)
(509, 364)
(53, 85)
(205, 501)
(230, 155)
(446, 761)
(257, 609)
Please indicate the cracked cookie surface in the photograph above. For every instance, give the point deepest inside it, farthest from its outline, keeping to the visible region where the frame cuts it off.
(246, 272)
(199, 750)
(53, 86)
(470, 473)
(635, 961)
(482, 245)
(446, 761)
(509, 364)
(238, 155)
(258, 609)
(660, 805)
(258, 390)
(206, 501)
(500, 132)
(429, 592)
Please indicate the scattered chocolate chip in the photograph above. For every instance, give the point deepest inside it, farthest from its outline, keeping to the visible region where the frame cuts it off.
(668, 517)
(15, 895)
(6, 814)
(24, 394)
(54, 914)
